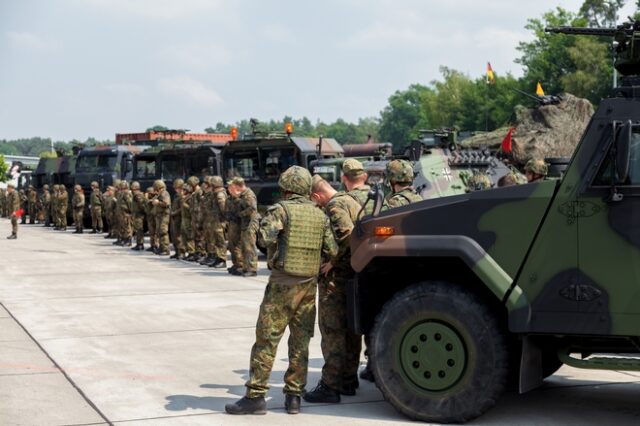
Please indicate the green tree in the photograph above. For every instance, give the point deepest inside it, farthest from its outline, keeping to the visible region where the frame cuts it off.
(157, 128)
(601, 13)
(592, 76)
(48, 154)
(404, 115)
(4, 168)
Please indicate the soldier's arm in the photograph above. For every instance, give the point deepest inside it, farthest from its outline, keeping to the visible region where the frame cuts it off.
(342, 225)
(222, 204)
(329, 243)
(249, 206)
(272, 223)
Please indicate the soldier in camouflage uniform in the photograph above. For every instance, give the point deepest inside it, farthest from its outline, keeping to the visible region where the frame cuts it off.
(77, 204)
(176, 221)
(125, 208)
(162, 206)
(45, 201)
(206, 218)
(296, 235)
(340, 347)
(186, 229)
(109, 207)
(247, 210)
(13, 205)
(218, 208)
(150, 213)
(95, 206)
(32, 202)
(24, 205)
(536, 170)
(138, 205)
(54, 206)
(478, 182)
(3, 202)
(233, 232)
(62, 204)
(195, 200)
(400, 177)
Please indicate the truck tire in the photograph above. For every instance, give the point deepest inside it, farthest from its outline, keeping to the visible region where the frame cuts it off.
(439, 354)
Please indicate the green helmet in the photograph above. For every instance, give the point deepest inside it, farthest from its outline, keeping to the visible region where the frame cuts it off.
(116, 183)
(187, 188)
(193, 181)
(149, 190)
(296, 180)
(536, 166)
(124, 185)
(399, 171)
(135, 186)
(478, 182)
(216, 182)
(177, 184)
(94, 184)
(45, 187)
(158, 185)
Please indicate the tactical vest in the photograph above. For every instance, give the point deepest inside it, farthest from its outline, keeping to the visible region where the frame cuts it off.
(300, 243)
(361, 195)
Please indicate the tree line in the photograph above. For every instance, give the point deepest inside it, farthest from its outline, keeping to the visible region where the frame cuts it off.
(579, 65)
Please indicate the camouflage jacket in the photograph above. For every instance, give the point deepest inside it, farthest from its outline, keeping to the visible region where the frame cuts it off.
(63, 200)
(362, 194)
(342, 210)
(247, 208)
(164, 203)
(32, 196)
(176, 206)
(139, 203)
(13, 202)
(402, 198)
(231, 210)
(196, 205)
(219, 205)
(96, 199)
(77, 201)
(206, 207)
(275, 221)
(109, 204)
(45, 199)
(185, 209)
(125, 203)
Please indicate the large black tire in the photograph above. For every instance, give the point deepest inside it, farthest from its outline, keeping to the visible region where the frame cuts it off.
(439, 354)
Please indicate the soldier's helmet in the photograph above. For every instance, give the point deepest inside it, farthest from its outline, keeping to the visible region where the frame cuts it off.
(55, 187)
(537, 166)
(178, 183)
(187, 188)
(399, 171)
(31, 187)
(149, 190)
(94, 184)
(116, 183)
(11, 185)
(193, 181)
(158, 185)
(296, 180)
(478, 182)
(135, 186)
(77, 188)
(124, 185)
(45, 187)
(217, 182)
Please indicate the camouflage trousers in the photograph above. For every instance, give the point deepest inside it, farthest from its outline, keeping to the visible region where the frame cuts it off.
(233, 237)
(283, 305)
(198, 236)
(214, 240)
(96, 218)
(124, 222)
(187, 236)
(340, 347)
(14, 225)
(162, 231)
(151, 224)
(176, 235)
(32, 212)
(138, 229)
(78, 218)
(62, 218)
(248, 246)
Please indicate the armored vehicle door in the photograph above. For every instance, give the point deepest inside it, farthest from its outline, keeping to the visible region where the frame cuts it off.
(608, 286)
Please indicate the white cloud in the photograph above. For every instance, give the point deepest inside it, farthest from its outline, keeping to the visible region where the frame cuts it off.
(185, 87)
(27, 40)
(158, 9)
(200, 55)
(125, 89)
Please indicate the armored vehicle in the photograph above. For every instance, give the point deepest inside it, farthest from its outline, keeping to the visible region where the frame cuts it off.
(462, 295)
(45, 171)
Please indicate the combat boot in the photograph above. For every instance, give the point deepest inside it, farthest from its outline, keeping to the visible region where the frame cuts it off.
(138, 247)
(247, 405)
(249, 274)
(126, 243)
(106, 237)
(12, 237)
(151, 248)
(219, 263)
(206, 260)
(292, 404)
(322, 393)
(117, 242)
(93, 231)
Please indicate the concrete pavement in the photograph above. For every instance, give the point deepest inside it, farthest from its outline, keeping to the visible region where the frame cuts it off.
(115, 336)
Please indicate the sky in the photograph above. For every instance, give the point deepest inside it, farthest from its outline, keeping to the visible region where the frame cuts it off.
(73, 69)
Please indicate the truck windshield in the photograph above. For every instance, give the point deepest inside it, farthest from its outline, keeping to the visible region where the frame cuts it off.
(96, 163)
(145, 168)
(171, 168)
(260, 164)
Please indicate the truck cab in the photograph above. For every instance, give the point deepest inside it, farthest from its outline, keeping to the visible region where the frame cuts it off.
(105, 164)
(182, 161)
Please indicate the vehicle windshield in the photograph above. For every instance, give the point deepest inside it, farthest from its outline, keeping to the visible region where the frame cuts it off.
(96, 163)
(260, 164)
(171, 168)
(145, 168)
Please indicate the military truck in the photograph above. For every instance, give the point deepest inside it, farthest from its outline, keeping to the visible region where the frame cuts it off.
(45, 171)
(105, 164)
(182, 161)
(463, 295)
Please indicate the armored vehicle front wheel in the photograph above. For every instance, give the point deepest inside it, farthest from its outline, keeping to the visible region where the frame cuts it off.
(439, 354)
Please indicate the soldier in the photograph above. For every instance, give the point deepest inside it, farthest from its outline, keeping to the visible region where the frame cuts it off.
(206, 217)
(296, 235)
(478, 182)
(176, 221)
(109, 207)
(233, 232)
(95, 205)
(186, 229)
(400, 177)
(162, 206)
(3, 201)
(340, 347)
(535, 170)
(196, 220)
(509, 179)
(247, 210)
(45, 202)
(24, 205)
(77, 203)
(125, 209)
(150, 212)
(54, 207)
(62, 204)
(32, 202)
(13, 207)
(138, 208)
(218, 207)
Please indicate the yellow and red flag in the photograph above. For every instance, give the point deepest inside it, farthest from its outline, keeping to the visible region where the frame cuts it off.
(491, 78)
(539, 90)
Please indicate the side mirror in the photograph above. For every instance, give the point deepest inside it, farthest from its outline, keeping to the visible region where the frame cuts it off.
(623, 144)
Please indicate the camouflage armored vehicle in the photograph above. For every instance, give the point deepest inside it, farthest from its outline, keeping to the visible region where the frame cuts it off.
(462, 295)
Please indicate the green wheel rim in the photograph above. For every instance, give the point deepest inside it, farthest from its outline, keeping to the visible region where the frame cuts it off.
(433, 356)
